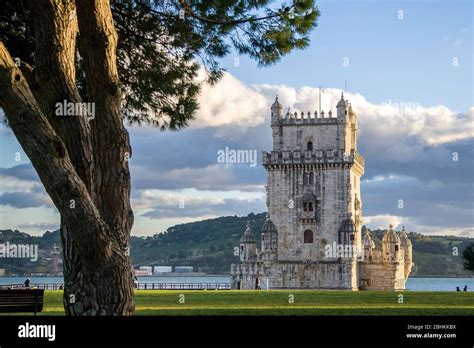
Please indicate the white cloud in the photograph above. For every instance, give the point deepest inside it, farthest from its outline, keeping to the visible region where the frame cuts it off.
(383, 221)
(230, 102)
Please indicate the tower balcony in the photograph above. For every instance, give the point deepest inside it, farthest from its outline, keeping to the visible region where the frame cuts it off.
(311, 157)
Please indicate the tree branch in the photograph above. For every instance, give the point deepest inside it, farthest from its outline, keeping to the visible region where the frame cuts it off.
(55, 27)
(187, 9)
(111, 147)
(49, 157)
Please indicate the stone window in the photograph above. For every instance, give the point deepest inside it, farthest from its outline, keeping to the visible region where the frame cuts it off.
(308, 178)
(308, 206)
(308, 236)
(309, 146)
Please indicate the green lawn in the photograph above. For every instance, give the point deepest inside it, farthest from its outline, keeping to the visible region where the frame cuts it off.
(275, 302)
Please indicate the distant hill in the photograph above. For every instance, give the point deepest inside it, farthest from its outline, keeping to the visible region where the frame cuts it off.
(208, 245)
(22, 266)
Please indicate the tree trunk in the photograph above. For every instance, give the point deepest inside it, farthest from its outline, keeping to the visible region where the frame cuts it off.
(82, 163)
(104, 290)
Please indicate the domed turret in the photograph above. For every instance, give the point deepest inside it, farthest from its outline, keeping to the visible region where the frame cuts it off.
(277, 110)
(353, 122)
(342, 102)
(247, 237)
(390, 246)
(268, 226)
(248, 246)
(404, 241)
(369, 246)
(406, 246)
(390, 236)
(351, 112)
(368, 242)
(342, 110)
(269, 239)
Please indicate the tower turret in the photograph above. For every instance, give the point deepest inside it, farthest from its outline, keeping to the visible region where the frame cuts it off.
(368, 245)
(353, 122)
(269, 240)
(277, 111)
(342, 108)
(390, 246)
(276, 124)
(406, 246)
(248, 246)
(344, 126)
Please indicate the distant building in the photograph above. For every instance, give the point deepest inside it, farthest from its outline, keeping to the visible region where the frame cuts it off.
(140, 272)
(2, 272)
(148, 269)
(162, 269)
(183, 269)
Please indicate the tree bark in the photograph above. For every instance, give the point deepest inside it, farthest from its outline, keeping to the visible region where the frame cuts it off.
(83, 165)
(112, 151)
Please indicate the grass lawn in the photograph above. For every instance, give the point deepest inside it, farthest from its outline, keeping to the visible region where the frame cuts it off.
(276, 302)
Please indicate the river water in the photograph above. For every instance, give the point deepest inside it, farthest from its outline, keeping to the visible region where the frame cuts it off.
(415, 284)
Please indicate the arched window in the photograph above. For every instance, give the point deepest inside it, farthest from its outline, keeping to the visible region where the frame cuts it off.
(311, 178)
(308, 236)
(309, 147)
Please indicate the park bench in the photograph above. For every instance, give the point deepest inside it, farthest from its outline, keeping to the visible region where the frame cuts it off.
(21, 300)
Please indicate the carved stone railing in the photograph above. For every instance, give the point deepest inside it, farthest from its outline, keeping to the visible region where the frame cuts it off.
(302, 157)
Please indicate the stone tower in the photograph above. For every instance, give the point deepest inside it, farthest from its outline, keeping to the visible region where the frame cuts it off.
(313, 190)
(315, 209)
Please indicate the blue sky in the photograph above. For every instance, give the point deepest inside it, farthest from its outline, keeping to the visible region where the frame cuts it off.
(408, 153)
(389, 58)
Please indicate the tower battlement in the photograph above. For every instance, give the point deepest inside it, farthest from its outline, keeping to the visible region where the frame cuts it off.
(308, 118)
(333, 133)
